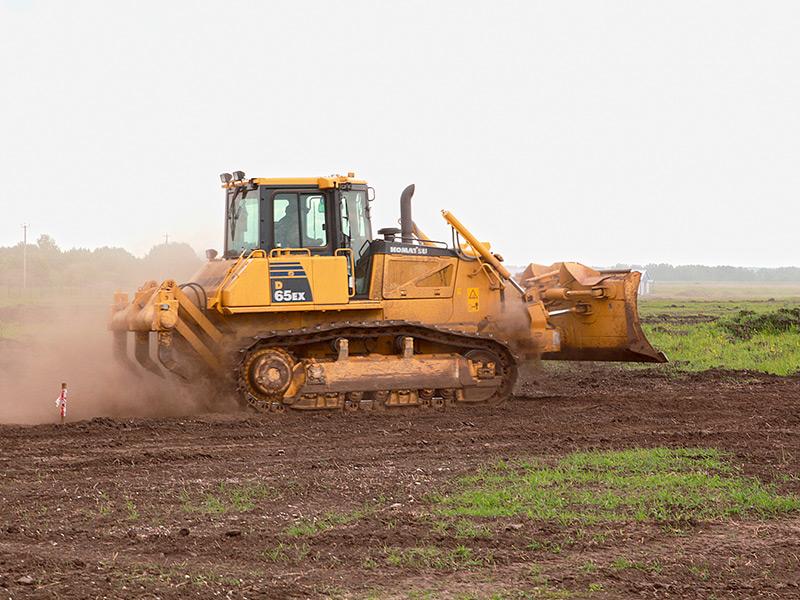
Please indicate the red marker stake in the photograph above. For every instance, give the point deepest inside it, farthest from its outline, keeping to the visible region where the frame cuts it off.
(61, 402)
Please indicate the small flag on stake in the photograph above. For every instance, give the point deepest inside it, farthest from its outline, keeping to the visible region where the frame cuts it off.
(61, 402)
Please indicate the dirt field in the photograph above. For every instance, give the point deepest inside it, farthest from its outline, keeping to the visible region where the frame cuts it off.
(338, 505)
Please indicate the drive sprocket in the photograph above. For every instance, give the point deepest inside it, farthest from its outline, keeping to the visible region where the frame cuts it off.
(263, 377)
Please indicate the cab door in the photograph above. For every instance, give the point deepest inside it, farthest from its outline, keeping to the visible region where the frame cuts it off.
(356, 233)
(299, 218)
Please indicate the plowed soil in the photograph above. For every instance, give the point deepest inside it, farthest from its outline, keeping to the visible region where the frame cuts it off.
(338, 505)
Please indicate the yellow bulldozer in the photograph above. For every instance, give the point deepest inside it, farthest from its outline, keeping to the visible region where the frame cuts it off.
(306, 309)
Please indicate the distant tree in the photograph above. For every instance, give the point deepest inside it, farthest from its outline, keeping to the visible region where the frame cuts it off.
(47, 243)
(117, 266)
(175, 261)
(47, 265)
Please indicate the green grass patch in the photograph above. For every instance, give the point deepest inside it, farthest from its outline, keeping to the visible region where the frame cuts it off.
(541, 591)
(462, 528)
(658, 484)
(747, 323)
(331, 520)
(433, 557)
(289, 553)
(707, 346)
(739, 335)
(227, 498)
(152, 573)
(621, 563)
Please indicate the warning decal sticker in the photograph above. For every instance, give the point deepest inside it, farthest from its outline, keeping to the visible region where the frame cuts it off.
(472, 299)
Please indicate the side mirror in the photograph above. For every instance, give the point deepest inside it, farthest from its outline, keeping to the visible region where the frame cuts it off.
(211, 254)
(370, 194)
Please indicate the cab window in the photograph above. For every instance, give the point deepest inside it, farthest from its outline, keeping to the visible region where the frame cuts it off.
(355, 225)
(299, 220)
(242, 229)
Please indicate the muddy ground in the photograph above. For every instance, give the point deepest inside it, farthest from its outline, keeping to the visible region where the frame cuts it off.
(338, 505)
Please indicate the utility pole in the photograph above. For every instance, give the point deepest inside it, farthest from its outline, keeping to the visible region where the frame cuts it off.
(165, 260)
(25, 256)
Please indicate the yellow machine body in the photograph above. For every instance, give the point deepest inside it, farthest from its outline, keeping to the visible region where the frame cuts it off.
(397, 321)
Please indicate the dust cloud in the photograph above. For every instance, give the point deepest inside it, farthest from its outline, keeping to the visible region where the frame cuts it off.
(73, 345)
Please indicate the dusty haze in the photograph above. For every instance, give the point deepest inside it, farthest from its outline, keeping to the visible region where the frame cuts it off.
(72, 345)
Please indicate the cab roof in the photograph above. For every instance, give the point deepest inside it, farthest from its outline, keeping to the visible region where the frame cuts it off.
(331, 181)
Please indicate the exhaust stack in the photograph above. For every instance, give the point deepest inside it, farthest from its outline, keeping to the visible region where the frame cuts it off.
(406, 222)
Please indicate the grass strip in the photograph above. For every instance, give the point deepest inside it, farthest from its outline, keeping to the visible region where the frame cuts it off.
(754, 336)
(656, 484)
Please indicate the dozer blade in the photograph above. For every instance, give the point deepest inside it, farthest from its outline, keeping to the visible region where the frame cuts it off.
(595, 313)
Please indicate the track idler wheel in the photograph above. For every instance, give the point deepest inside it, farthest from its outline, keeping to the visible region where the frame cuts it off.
(489, 367)
(265, 375)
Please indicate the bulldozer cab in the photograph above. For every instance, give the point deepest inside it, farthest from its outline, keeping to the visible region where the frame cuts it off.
(316, 218)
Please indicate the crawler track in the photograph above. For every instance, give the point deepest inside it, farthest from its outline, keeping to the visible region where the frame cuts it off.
(297, 342)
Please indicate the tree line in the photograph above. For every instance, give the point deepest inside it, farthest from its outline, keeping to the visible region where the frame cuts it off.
(47, 265)
(667, 272)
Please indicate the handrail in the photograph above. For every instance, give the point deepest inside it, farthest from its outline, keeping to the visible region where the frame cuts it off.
(426, 241)
(229, 274)
(351, 277)
(492, 274)
(277, 252)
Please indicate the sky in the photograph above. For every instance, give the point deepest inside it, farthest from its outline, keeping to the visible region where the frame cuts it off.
(607, 132)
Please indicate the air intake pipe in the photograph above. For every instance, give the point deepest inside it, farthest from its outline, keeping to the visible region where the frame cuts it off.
(406, 222)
